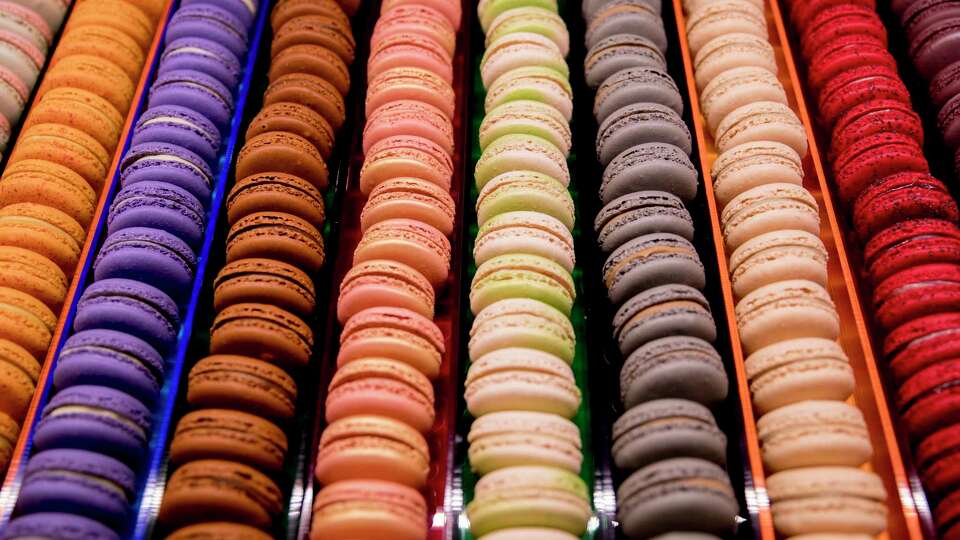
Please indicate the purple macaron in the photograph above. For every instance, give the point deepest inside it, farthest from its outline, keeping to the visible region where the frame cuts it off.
(194, 90)
(244, 10)
(158, 205)
(203, 55)
(180, 126)
(169, 163)
(151, 256)
(110, 358)
(95, 418)
(211, 22)
(57, 525)
(79, 482)
(129, 306)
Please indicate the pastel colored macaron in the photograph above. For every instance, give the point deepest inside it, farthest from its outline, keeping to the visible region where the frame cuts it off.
(813, 433)
(129, 306)
(161, 206)
(808, 312)
(769, 207)
(712, 20)
(665, 428)
(526, 117)
(532, 83)
(108, 357)
(380, 283)
(409, 198)
(525, 232)
(511, 438)
(752, 164)
(396, 333)
(152, 256)
(525, 323)
(776, 256)
(401, 156)
(762, 121)
(408, 83)
(519, 275)
(372, 448)
(513, 379)
(727, 51)
(523, 190)
(636, 85)
(673, 367)
(641, 213)
(388, 509)
(410, 242)
(381, 387)
(525, 152)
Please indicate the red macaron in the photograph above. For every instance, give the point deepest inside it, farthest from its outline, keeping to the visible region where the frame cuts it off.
(916, 292)
(930, 398)
(947, 517)
(875, 156)
(910, 243)
(840, 20)
(845, 53)
(802, 12)
(857, 85)
(873, 117)
(921, 343)
(900, 197)
(938, 458)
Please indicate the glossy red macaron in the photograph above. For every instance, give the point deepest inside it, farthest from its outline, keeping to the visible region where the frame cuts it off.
(840, 20)
(845, 53)
(947, 517)
(802, 12)
(873, 157)
(872, 117)
(921, 343)
(938, 459)
(857, 85)
(899, 197)
(915, 292)
(930, 398)
(910, 243)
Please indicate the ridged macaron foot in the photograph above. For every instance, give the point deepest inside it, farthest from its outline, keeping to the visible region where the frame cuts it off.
(912, 349)
(797, 370)
(873, 157)
(95, 418)
(105, 42)
(910, 243)
(749, 165)
(769, 207)
(409, 198)
(210, 489)
(511, 438)
(158, 205)
(680, 367)
(663, 497)
(148, 255)
(533, 83)
(19, 372)
(132, 307)
(204, 94)
(163, 162)
(384, 509)
(181, 126)
(405, 156)
(516, 379)
(218, 530)
(813, 433)
(311, 91)
(901, 197)
(201, 54)
(762, 121)
(279, 236)
(286, 152)
(619, 52)
(520, 49)
(524, 190)
(381, 387)
(410, 83)
(914, 292)
(107, 357)
(409, 117)
(662, 311)
(43, 230)
(312, 60)
(329, 32)
(264, 281)
(242, 383)
(626, 17)
(93, 74)
(651, 260)
(649, 166)
(294, 118)
(372, 448)
(66, 146)
(518, 275)
(55, 525)
(636, 85)
(521, 152)
(667, 428)
(262, 331)
(526, 117)
(526, 232)
(529, 496)
(80, 110)
(77, 481)
(641, 123)
(395, 333)
(277, 192)
(776, 256)
(525, 323)
(384, 283)
(409, 242)
(26, 321)
(33, 274)
(638, 214)
(785, 310)
(729, 51)
(44, 182)
(229, 435)
(209, 21)
(813, 500)
(717, 19)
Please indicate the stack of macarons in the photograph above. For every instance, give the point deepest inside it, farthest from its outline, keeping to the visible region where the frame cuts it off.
(520, 386)
(228, 452)
(374, 456)
(27, 29)
(813, 441)
(108, 378)
(50, 188)
(671, 372)
(905, 219)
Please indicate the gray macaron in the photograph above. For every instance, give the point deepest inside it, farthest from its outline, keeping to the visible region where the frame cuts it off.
(667, 310)
(677, 494)
(626, 17)
(649, 166)
(651, 260)
(636, 85)
(680, 367)
(641, 123)
(640, 213)
(666, 428)
(617, 52)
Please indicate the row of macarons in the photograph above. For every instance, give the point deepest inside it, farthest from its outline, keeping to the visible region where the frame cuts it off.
(96, 426)
(667, 438)
(905, 219)
(812, 440)
(375, 450)
(53, 179)
(524, 443)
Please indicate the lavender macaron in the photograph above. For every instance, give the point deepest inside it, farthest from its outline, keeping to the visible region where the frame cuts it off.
(79, 482)
(110, 358)
(151, 256)
(243, 10)
(199, 54)
(211, 22)
(180, 126)
(169, 163)
(132, 307)
(194, 90)
(97, 419)
(57, 525)
(158, 205)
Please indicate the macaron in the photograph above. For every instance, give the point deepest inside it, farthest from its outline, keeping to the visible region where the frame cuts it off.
(93, 74)
(873, 157)
(132, 307)
(641, 123)
(857, 500)
(312, 60)
(769, 207)
(184, 127)
(847, 52)
(242, 383)
(490, 9)
(152, 256)
(392, 510)
(516, 379)
(533, 19)
(276, 235)
(382, 388)
(524, 152)
(911, 349)
(384, 283)
(532, 83)
(80, 110)
(124, 16)
(44, 230)
(407, 241)
(737, 87)
(451, 11)
(667, 428)
(776, 256)
(680, 367)
(209, 21)
(372, 448)
(785, 310)
(282, 13)
(402, 156)
(716, 19)
(395, 333)
(649, 166)
(915, 292)
(797, 370)
(409, 49)
(618, 52)
(636, 85)
(662, 311)
(33, 274)
(277, 192)
(408, 117)
(244, 10)
(626, 17)
(856, 86)
(285, 152)
(297, 119)
(158, 205)
(519, 275)
(409, 198)
(518, 49)
(203, 55)
(732, 50)
(204, 94)
(9, 431)
(525, 232)
(111, 358)
(262, 331)
(901, 197)
(840, 20)
(323, 30)
(105, 42)
(752, 164)
(65, 146)
(762, 121)
(515, 438)
(416, 19)
(13, 95)
(651, 260)
(526, 117)
(58, 525)
(26, 322)
(311, 91)
(926, 399)
(523, 190)
(814, 433)
(19, 373)
(44, 182)
(164, 162)
(264, 281)
(910, 243)
(524, 323)
(409, 83)
(641, 213)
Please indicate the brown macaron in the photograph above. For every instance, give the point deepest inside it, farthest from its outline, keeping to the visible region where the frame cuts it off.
(279, 236)
(286, 10)
(219, 530)
(45, 182)
(212, 489)
(33, 274)
(262, 331)
(44, 230)
(297, 119)
(311, 91)
(276, 192)
(19, 372)
(281, 151)
(229, 435)
(314, 60)
(324, 30)
(264, 281)
(26, 321)
(247, 384)
(65, 146)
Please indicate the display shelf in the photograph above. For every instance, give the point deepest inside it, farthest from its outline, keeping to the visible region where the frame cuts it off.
(855, 338)
(14, 476)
